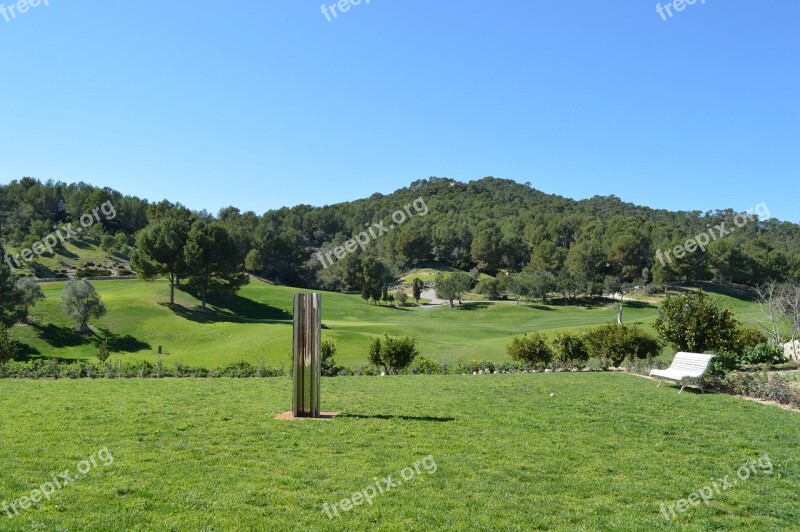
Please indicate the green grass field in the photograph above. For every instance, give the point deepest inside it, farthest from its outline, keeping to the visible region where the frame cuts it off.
(256, 324)
(603, 453)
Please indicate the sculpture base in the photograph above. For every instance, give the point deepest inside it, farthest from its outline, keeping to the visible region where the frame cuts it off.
(289, 416)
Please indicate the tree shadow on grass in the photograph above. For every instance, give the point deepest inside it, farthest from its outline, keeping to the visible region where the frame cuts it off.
(59, 337)
(539, 306)
(231, 308)
(122, 344)
(475, 306)
(404, 418)
(637, 304)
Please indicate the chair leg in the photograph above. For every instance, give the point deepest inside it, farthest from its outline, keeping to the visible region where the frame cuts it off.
(659, 384)
(682, 387)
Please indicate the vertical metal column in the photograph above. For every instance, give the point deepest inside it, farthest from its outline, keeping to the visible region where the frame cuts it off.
(307, 370)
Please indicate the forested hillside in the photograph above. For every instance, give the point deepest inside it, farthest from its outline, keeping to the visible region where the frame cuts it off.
(492, 224)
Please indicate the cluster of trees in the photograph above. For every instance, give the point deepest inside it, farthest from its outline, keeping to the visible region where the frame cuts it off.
(30, 209)
(81, 303)
(492, 224)
(687, 322)
(179, 244)
(612, 343)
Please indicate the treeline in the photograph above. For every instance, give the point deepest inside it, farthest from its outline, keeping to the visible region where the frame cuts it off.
(491, 224)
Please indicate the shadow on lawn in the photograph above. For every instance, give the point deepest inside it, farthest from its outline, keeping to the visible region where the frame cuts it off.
(478, 305)
(59, 337)
(231, 308)
(404, 418)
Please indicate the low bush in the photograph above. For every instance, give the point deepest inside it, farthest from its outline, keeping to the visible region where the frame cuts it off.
(92, 272)
(615, 343)
(426, 366)
(531, 349)
(394, 354)
(760, 385)
(763, 353)
(750, 338)
(570, 349)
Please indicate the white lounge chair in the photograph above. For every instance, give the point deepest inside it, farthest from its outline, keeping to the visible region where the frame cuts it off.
(684, 365)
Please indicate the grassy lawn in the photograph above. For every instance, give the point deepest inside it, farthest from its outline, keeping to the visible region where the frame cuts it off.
(603, 453)
(256, 324)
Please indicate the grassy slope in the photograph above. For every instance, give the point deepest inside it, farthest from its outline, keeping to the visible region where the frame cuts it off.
(75, 254)
(255, 324)
(604, 453)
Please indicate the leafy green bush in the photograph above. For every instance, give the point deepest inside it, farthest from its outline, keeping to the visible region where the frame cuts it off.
(328, 352)
(615, 343)
(693, 322)
(761, 385)
(570, 349)
(531, 349)
(489, 287)
(92, 272)
(394, 354)
(750, 338)
(723, 363)
(426, 366)
(8, 349)
(763, 354)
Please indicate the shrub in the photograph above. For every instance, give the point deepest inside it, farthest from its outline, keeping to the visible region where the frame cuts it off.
(615, 343)
(426, 366)
(92, 272)
(531, 349)
(103, 352)
(723, 363)
(763, 354)
(750, 338)
(693, 322)
(8, 349)
(761, 386)
(329, 367)
(570, 349)
(394, 354)
(238, 370)
(489, 287)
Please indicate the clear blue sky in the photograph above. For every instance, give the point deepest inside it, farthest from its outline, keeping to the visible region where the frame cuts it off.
(262, 104)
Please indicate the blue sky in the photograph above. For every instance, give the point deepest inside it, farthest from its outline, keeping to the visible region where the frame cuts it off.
(262, 104)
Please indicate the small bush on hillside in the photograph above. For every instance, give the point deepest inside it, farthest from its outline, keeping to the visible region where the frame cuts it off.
(426, 366)
(761, 385)
(570, 349)
(8, 349)
(328, 352)
(92, 272)
(763, 354)
(490, 287)
(750, 338)
(531, 349)
(393, 354)
(615, 343)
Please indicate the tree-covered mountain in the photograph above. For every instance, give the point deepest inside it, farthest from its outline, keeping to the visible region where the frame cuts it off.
(492, 224)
